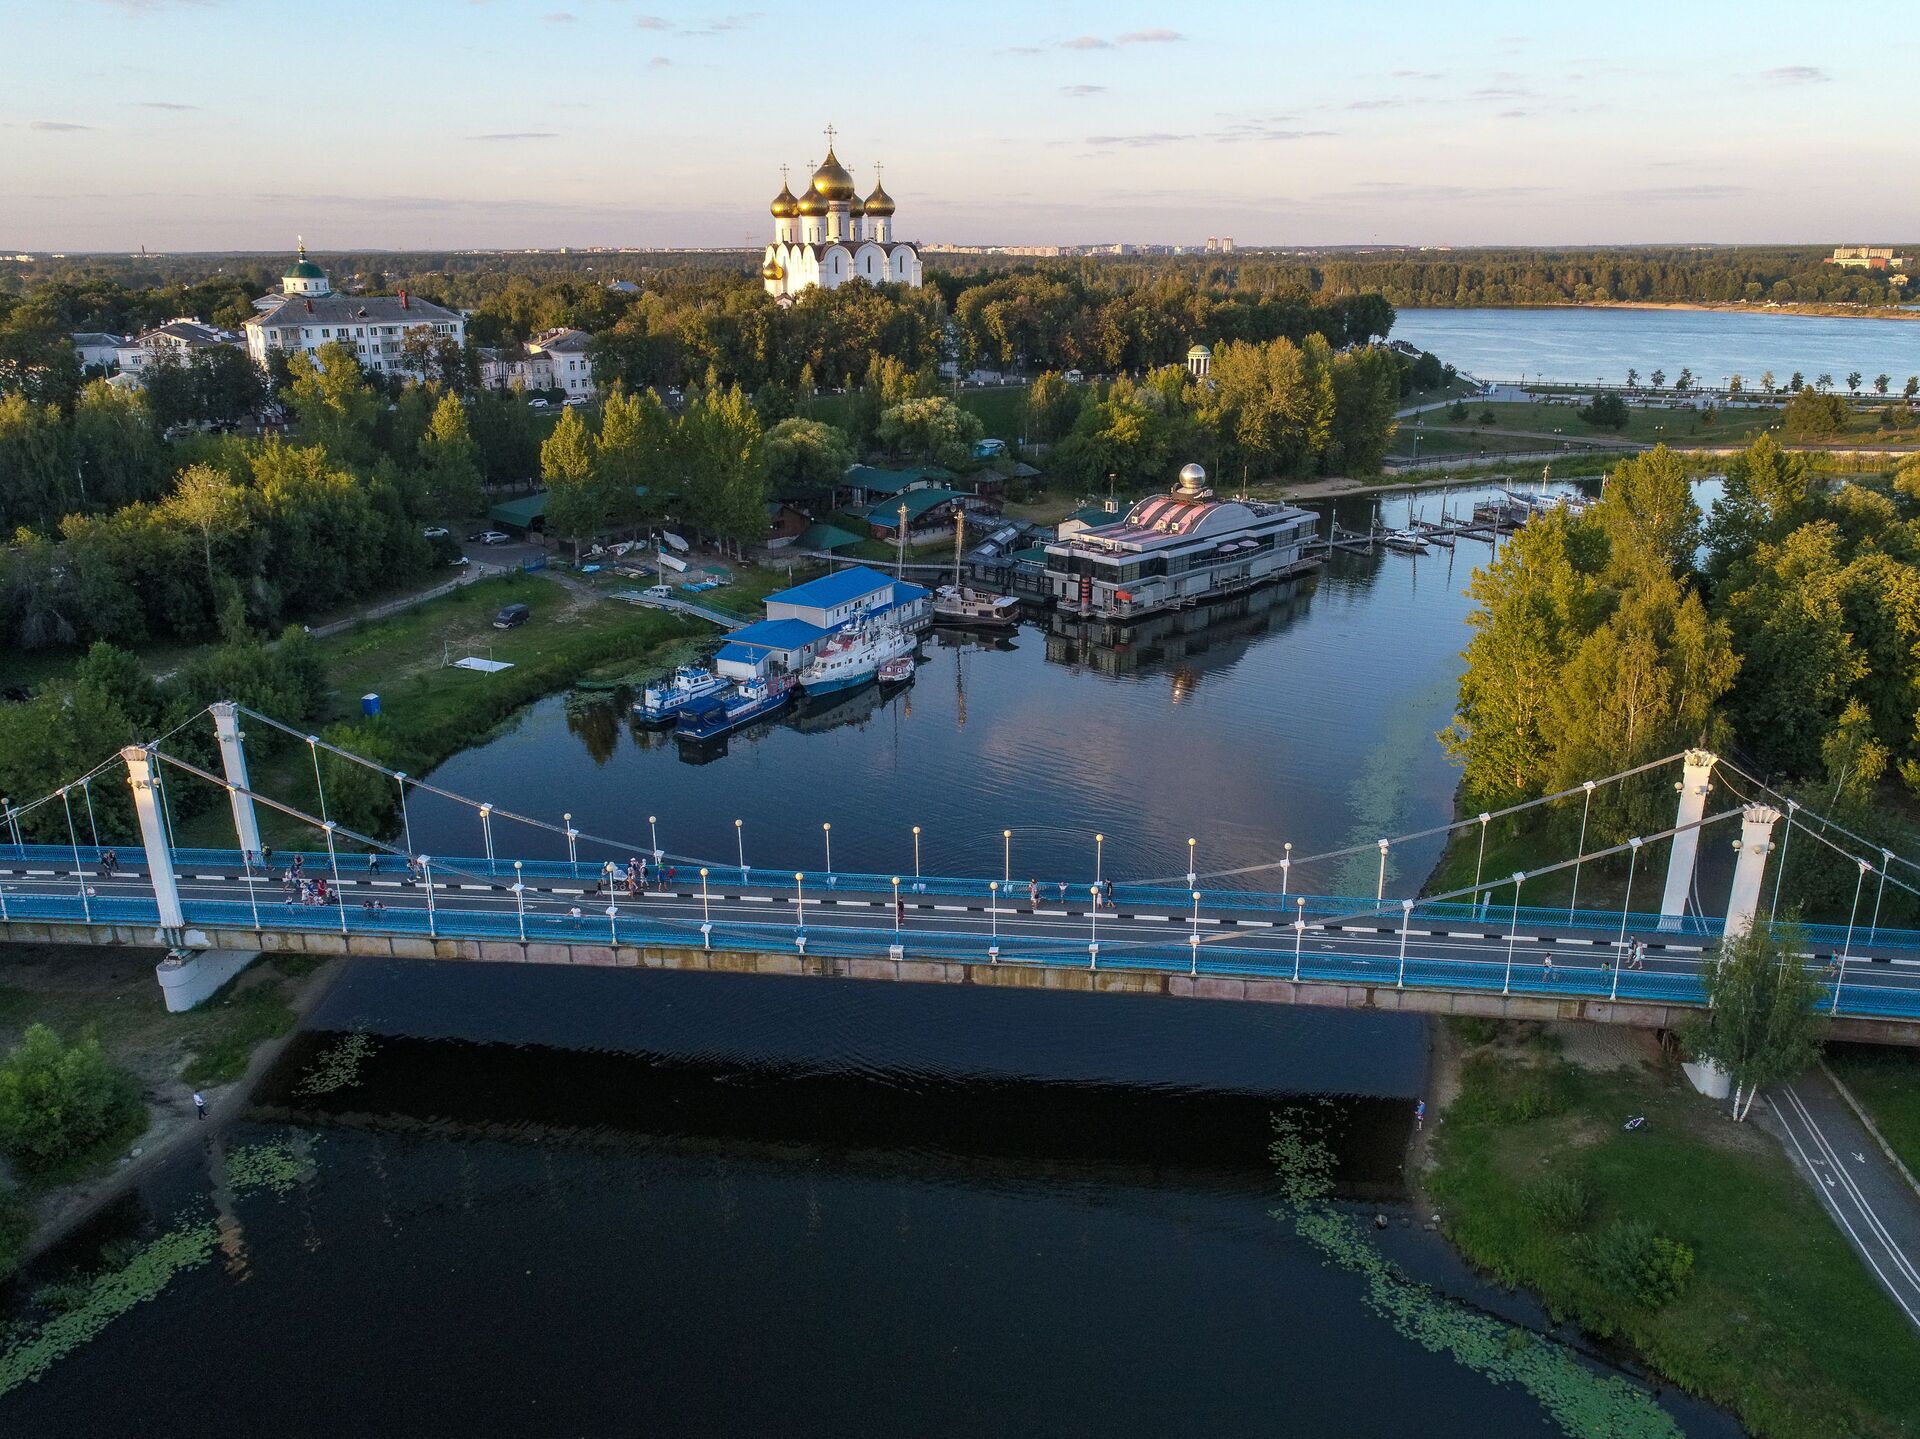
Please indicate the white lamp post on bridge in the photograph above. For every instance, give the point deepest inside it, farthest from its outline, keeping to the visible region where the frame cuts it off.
(1485, 820)
(826, 831)
(653, 837)
(1299, 933)
(740, 844)
(573, 851)
(916, 852)
(1406, 919)
(520, 900)
(1513, 933)
(1099, 847)
(426, 873)
(1006, 856)
(1380, 888)
(993, 922)
(1193, 876)
(706, 914)
(1193, 940)
(486, 831)
(1093, 933)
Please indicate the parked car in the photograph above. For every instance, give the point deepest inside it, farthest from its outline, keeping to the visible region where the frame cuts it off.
(575, 400)
(434, 532)
(659, 592)
(491, 537)
(510, 616)
(536, 404)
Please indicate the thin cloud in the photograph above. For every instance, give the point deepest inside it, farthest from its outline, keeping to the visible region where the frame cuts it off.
(1796, 75)
(560, 17)
(1158, 137)
(1158, 35)
(1255, 132)
(165, 105)
(1086, 42)
(653, 22)
(1419, 74)
(56, 125)
(1372, 104)
(1080, 92)
(740, 20)
(1020, 50)
(658, 62)
(518, 135)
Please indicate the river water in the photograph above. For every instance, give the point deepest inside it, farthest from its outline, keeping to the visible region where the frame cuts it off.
(1571, 345)
(549, 1201)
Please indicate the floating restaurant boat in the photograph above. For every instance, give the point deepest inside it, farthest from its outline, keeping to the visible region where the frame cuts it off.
(1182, 548)
(719, 716)
(685, 687)
(853, 657)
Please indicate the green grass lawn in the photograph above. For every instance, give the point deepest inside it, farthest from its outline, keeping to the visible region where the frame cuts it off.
(1778, 1321)
(1886, 1081)
(1439, 442)
(430, 710)
(1644, 425)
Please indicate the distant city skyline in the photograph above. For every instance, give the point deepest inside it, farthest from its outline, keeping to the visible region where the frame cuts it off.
(235, 124)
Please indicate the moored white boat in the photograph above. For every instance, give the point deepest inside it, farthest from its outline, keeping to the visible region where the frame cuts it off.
(686, 686)
(854, 657)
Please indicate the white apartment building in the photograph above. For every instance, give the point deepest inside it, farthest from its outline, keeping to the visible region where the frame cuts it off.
(172, 343)
(560, 359)
(376, 328)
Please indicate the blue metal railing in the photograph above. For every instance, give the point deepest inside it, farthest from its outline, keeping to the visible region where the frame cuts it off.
(1865, 990)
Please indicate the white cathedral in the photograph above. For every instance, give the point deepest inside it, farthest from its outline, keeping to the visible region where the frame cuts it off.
(828, 235)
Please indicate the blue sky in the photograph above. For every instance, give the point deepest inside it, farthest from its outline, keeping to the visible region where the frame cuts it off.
(201, 124)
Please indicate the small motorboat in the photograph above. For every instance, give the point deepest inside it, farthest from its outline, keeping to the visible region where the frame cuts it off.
(896, 671)
(718, 717)
(1406, 541)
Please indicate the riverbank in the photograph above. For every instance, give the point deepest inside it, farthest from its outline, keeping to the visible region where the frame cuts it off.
(217, 1049)
(1541, 1187)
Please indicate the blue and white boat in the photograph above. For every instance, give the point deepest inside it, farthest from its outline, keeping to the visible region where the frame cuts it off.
(720, 716)
(685, 687)
(853, 657)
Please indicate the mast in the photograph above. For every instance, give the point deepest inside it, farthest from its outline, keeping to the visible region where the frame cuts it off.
(959, 530)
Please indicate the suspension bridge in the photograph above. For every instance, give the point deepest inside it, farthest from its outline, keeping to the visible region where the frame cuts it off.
(560, 895)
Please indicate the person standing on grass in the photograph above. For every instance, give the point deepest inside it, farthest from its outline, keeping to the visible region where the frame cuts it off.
(200, 1104)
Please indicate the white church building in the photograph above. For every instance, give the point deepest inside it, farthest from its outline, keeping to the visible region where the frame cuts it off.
(828, 235)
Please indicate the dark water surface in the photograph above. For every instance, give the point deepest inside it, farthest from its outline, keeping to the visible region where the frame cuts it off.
(750, 1206)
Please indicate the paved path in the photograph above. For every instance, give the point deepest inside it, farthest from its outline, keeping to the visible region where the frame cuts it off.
(1871, 1201)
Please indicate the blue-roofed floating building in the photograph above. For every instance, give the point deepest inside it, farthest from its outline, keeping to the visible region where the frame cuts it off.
(800, 620)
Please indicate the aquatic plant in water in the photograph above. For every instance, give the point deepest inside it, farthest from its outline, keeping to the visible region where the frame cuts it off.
(337, 1066)
(264, 1166)
(108, 1296)
(1582, 1402)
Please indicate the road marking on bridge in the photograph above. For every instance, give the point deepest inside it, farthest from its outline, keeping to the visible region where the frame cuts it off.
(1254, 923)
(854, 903)
(1359, 929)
(950, 908)
(1153, 918)
(1463, 934)
(757, 898)
(1563, 939)
(485, 887)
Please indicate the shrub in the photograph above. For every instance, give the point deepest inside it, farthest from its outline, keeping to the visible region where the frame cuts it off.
(16, 1227)
(58, 1100)
(1812, 413)
(1457, 411)
(1629, 1258)
(1559, 1201)
(1475, 1029)
(1607, 412)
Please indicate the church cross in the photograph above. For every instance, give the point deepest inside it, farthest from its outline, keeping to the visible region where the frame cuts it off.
(829, 132)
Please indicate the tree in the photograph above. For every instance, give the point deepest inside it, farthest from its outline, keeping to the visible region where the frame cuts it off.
(576, 506)
(636, 452)
(59, 1100)
(1912, 390)
(1797, 383)
(1823, 383)
(170, 392)
(1813, 414)
(1766, 381)
(117, 452)
(1734, 383)
(205, 500)
(724, 454)
(932, 430)
(805, 461)
(1853, 382)
(1648, 506)
(1657, 378)
(226, 385)
(1881, 382)
(1685, 381)
(1607, 412)
(1767, 494)
(1052, 407)
(1633, 378)
(449, 460)
(337, 409)
(1763, 1023)
(37, 478)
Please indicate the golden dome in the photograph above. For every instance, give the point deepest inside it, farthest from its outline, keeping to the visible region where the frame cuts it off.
(856, 207)
(810, 203)
(784, 203)
(771, 270)
(879, 202)
(831, 181)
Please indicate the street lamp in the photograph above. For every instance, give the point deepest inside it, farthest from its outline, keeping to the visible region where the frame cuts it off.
(706, 914)
(1380, 889)
(1299, 934)
(1099, 845)
(654, 834)
(826, 830)
(740, 843)
(1286, 868)
(486, 830)
(916, 851)
(520, 900)
(426, 875)
(573, 846)
(899, 911)
(1006, 856)
(993, 920)
(1406, 918)
(1193, 877)
(799, 904)
(1093, 933)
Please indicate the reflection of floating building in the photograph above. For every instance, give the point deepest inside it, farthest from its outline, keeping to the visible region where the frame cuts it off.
(1178, 549)
(1167, 641)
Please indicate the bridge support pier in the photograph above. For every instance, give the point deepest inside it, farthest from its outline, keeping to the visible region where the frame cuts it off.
(233, 764)
(1694, 785)
(153, 837)
(1756, 841)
